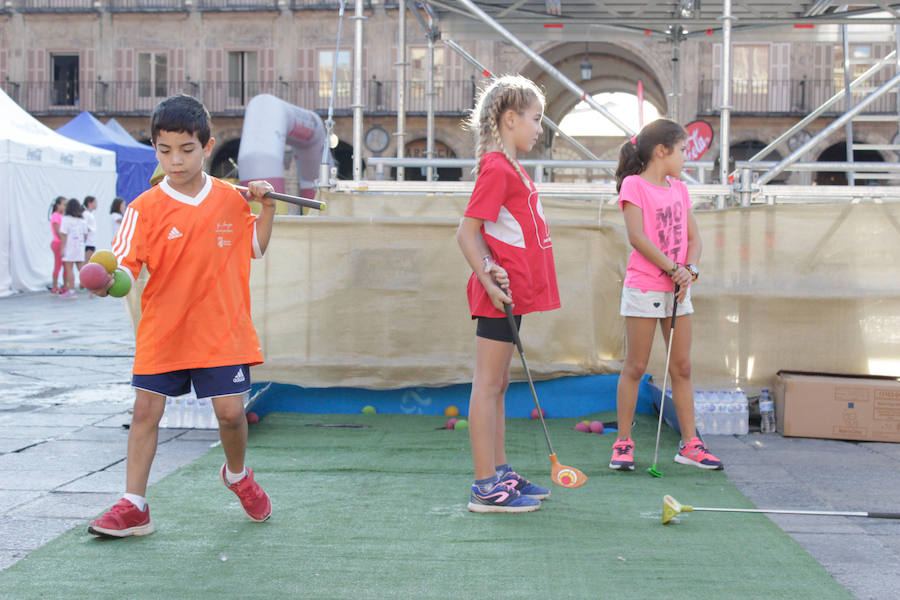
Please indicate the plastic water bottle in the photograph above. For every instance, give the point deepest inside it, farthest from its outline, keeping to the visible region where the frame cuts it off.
(176, 420)
(167, 414)
(700, 410)
(766, 413)
(743, 413)
(191, 410)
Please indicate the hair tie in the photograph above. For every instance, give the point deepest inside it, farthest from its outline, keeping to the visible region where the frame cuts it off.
(634, 141)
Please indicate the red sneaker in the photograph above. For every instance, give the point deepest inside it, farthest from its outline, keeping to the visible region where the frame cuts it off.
(255, 501)
(122, 520)
(694, 453)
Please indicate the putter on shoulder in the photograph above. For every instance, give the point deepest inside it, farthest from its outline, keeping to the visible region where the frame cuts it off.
(288, 198)
(560, 474)
(662, 401)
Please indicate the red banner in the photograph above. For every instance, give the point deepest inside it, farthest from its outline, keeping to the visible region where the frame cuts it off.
(699, 138)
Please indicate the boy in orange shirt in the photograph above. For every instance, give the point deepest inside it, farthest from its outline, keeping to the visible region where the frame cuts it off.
(196, 236)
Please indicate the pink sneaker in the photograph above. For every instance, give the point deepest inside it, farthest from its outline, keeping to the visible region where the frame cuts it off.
(255, 501)
(694, 453)
(68, 294)
(623, 455)
(123, 520)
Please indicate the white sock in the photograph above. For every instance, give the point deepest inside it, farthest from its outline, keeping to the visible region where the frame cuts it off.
(139, 501)
(234, 477)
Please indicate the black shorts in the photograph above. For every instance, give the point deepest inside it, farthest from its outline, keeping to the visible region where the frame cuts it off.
(90, 248)
(497, 328)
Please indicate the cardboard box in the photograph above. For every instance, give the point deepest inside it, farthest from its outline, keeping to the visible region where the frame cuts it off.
(843, 407)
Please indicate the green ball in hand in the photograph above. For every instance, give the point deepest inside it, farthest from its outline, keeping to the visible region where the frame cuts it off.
(121, 286)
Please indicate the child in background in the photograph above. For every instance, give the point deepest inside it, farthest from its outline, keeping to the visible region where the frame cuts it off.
(663, 232)
(116, 212)
(73, 233)
(505, 238)
(196, 235)
(56, 217)
(90, 244)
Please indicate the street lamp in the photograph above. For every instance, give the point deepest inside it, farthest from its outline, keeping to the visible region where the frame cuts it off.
(586, 67)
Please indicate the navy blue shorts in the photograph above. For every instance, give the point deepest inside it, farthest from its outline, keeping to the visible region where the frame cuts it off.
(211, 382)
(496, 328)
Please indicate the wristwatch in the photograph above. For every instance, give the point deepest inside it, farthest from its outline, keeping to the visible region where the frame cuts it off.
(695, 273)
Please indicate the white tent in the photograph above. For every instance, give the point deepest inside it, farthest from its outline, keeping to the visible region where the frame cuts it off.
(37, 165)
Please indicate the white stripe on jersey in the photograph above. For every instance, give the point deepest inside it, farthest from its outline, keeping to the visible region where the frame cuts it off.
(122, 243)
(506, 229)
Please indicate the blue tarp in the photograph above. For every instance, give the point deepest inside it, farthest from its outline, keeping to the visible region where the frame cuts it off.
(135, 162)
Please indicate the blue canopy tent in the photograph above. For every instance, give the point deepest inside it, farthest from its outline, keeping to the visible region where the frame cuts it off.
(135, 162)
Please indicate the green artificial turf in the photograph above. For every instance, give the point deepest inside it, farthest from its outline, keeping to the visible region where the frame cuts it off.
(380, 512)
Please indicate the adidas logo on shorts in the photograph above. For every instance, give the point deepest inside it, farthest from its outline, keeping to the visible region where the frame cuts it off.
(239, 378)
(174, 233)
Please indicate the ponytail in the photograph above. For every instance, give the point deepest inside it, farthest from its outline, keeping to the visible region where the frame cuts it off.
(637, 152)
(630, 162)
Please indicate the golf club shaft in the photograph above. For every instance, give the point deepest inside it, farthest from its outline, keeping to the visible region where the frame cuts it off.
(827, 513)
(515, 333)
(662, 400)
(288, 198)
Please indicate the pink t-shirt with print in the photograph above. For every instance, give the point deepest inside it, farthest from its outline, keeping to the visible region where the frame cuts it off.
(665, 211)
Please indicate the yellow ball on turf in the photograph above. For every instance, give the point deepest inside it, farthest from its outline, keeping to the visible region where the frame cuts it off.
(451, 411)
(368, 410)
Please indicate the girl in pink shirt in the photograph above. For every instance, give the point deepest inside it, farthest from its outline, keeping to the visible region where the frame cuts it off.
(663, 232)
(56, 217)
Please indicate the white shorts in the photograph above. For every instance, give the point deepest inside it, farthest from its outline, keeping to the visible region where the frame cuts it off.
(652, 304)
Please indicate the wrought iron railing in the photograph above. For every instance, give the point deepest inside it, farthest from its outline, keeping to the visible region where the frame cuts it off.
(229, 98)
(125, 6)
(791, 96)
(55, 6)
(237, 5)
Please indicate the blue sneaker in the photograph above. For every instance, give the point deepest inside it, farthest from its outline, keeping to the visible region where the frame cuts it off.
(525, 487)
(503, 497)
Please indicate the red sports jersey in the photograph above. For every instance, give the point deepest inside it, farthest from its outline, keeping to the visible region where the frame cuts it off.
(516, 231)
(196, 305)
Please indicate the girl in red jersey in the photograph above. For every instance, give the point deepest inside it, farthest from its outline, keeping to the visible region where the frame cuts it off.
(505, 238)
(663, 232)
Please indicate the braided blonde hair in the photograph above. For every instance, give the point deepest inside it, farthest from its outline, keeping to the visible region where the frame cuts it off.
(507, 92)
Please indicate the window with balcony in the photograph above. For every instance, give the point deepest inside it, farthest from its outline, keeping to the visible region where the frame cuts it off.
(418, 71)
(64, 82)
(326, 70)
(243, 76)
(153, 74)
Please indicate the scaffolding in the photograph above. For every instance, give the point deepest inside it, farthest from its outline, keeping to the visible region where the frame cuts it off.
(744, 183)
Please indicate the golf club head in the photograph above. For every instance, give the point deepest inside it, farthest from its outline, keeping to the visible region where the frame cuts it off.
(671, 508)
(654, 471)
(569, 477)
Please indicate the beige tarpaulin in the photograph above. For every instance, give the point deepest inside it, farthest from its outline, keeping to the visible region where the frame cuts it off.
(377, 298)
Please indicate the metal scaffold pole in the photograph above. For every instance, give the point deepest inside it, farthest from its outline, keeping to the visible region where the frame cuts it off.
(358, 105)
(401, 89)
(725, 118)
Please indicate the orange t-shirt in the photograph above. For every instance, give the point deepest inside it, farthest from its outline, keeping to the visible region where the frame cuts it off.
(196, 305)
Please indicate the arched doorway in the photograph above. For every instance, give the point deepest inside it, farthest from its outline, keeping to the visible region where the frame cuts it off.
(224, 161)
(838, 153)
(343, 159)
(417, 149)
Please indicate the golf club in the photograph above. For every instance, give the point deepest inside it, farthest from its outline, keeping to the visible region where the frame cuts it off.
(288, 198)
(662, 402)
(671, 508)
(569, 477)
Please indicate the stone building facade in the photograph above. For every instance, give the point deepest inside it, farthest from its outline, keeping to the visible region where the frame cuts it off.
(118, 58)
